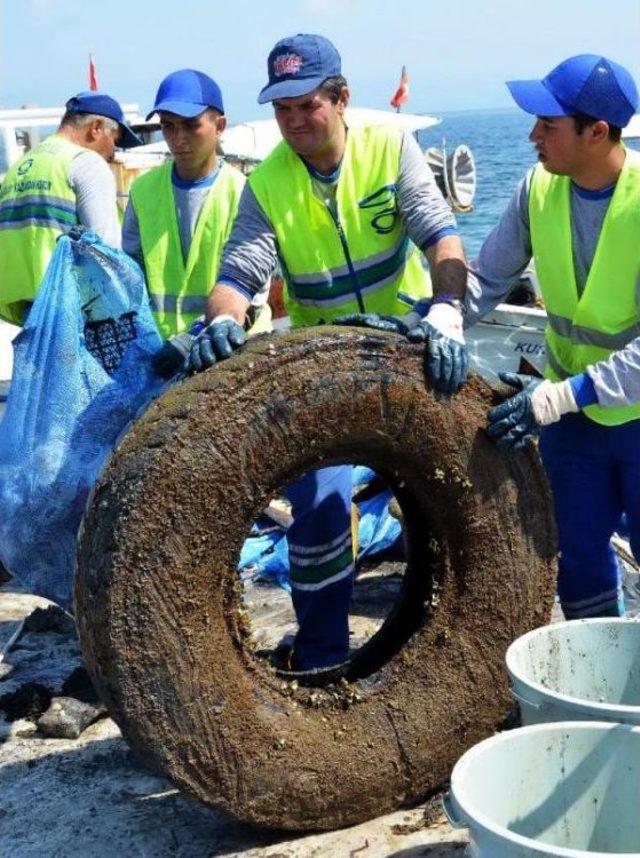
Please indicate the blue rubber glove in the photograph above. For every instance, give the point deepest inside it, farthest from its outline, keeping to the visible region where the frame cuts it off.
(512, 424)
(217, 342)
(376, 321)
(172, 357)
(446, 359)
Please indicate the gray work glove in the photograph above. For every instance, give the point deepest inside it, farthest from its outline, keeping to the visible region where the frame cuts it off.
(216, 342)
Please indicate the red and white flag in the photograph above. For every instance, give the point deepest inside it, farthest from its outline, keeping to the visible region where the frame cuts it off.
(93, 80)
(402, 92)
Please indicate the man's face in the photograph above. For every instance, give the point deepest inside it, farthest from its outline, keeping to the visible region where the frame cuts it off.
(105, 142)
(560, 148)
(192, 141)
(311, 123)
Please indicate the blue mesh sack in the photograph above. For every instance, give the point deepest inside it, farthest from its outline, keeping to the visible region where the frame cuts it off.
(82, 371)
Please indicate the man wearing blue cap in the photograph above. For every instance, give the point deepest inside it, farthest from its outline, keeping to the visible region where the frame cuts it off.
(179, 215)
(347, 212)
(62, 182)
(577, 213)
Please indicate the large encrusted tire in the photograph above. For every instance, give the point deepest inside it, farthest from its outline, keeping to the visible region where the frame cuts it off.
(159, 607)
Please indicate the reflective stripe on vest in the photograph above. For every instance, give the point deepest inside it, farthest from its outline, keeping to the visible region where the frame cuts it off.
(37, 204)
(177, 290)
(362, 261)
(587, 328)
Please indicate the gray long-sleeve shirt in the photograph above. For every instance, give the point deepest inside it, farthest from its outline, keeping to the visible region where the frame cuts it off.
(94, 185)
(505, 254)
(251, 252)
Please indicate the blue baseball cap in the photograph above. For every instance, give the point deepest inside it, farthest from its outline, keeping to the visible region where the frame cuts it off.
(298, 65)
(100, 104)
(587, 84)
(187, 93)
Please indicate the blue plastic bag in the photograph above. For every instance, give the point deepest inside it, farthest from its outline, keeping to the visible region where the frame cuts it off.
(82, 371)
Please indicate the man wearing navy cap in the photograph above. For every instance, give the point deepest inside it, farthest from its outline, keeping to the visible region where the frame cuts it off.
(179, 215)
(347, 212)
(577, 213)
(62, 182)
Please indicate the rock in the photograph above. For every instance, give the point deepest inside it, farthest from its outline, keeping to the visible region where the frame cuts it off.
(26, 701)
(49, 619)
(67, 718)
(5, 670)
(45, 655)
(79, 685)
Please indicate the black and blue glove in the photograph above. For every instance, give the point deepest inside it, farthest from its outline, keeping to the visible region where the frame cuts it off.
(446, 358)
(538, 403)
(512, 424)
(217, 342)
(172, 358)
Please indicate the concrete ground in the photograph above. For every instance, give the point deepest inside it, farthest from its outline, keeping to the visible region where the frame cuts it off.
(77, 797)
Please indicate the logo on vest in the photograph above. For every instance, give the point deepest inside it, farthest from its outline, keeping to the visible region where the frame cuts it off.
(287, 64)
(385, 208)
(25, 167)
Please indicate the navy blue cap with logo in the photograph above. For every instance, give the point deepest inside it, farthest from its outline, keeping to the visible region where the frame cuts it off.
(187, 93)
(100, 104)
(588, 84)
(299, 64)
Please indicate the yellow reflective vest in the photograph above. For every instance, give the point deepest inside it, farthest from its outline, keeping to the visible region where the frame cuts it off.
(178, 289)
(37, 204)
(362, 259)
(587, 328)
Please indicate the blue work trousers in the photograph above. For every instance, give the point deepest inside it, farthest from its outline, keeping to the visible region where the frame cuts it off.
(594, 472)
(321, 564)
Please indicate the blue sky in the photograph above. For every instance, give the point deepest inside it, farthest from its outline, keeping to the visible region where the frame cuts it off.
(457, 52)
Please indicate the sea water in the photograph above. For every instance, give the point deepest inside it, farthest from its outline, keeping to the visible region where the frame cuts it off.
(499, 140)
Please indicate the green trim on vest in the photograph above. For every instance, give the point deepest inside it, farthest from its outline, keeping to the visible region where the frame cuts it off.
(584, 329)
(364, 261)
(37, 204)
(177, 290)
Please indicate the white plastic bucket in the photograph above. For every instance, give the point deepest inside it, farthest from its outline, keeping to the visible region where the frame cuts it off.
(568, 789)
(578, 670)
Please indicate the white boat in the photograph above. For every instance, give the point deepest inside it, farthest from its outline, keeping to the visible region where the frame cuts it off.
(632, 131)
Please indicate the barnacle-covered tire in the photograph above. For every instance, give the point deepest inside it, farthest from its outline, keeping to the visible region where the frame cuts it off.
(159, 605)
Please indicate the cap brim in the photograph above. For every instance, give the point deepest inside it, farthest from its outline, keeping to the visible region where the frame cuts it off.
(289, 89)
(181, 108)
(533, 97)
(128, 140)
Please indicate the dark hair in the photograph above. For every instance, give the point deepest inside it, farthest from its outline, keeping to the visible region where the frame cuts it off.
(332, 87)
(582, 120)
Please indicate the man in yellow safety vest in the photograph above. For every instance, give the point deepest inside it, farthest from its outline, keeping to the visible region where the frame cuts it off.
(347, 212)
(577, 213)
(63, 182)
(180, 214)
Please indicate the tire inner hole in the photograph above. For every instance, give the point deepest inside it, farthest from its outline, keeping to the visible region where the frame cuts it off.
(370, 542)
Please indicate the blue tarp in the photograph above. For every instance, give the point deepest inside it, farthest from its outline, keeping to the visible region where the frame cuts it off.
(82, 371)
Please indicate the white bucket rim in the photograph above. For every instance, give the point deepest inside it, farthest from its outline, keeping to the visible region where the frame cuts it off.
(475, 818)
(603, 708)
